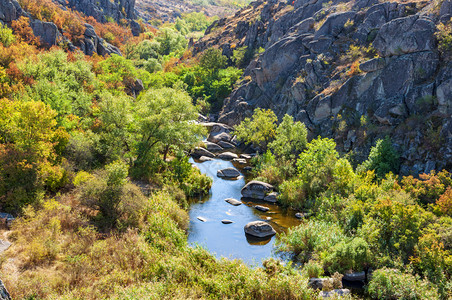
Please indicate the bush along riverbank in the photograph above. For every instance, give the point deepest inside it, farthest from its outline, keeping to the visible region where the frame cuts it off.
(361, 221)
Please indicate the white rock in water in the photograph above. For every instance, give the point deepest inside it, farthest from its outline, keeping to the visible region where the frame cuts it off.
(233, 201)
(205, 158)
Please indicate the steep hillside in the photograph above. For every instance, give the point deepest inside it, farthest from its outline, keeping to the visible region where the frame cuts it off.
(352, 70)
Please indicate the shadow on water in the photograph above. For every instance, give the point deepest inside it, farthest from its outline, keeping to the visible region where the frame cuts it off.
(229, 240)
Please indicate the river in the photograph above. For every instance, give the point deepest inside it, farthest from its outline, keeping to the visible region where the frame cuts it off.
(229, 240)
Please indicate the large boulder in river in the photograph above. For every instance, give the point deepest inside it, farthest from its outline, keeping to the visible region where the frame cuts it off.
(228, 173)
(198, 152)
(213, 147)
(256, 189)
(226, 145)
(259, 229)
(227, 156)
(217, 137)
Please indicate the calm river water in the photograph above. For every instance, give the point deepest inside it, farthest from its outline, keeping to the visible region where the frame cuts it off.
(229, 240)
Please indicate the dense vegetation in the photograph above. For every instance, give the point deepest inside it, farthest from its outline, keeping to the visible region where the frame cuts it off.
(94, 166)
(357, 219)
(93, 162)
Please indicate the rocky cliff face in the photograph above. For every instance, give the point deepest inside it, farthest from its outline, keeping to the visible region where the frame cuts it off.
(353, 70)
(50, 35)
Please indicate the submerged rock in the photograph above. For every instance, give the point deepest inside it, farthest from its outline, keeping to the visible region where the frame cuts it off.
(228, 173)
(256, 189)
(259, 229)
(233, 201)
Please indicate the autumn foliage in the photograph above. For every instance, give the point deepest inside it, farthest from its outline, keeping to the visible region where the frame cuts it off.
(69, 21)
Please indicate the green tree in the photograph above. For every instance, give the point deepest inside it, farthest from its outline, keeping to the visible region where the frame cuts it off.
(119, 204)
(61, 83)
(316, 165)
(383, 158)
(212, 61)
(171, 41)
(6, 35)
(260, 130)
(291, 138)
(165, 121)
(115, 139)
(30, 149)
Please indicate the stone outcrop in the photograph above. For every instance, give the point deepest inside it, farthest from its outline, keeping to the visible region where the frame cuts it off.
(10, 10)
(304, 72)
(92, 43)
(101, 10)
(4, 295)
(49, 34)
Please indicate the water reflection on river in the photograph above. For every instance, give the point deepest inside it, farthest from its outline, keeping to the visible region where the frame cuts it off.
(229, 240)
